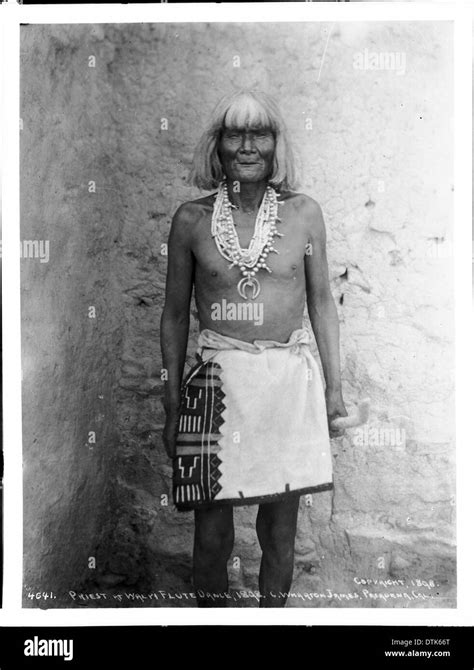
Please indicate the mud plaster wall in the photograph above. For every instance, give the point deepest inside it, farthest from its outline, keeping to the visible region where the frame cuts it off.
(374, 150)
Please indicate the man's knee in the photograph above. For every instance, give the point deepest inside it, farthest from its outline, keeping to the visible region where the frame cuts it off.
(276, 530)
(214, 543)
(214, 533)
(279, 544)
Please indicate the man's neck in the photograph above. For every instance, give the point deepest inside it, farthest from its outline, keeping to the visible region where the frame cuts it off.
(249, 198)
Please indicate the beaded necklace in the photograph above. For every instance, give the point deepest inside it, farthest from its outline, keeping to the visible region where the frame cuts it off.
(253, 258)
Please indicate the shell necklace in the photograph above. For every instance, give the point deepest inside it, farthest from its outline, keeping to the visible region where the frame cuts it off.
(253, 258)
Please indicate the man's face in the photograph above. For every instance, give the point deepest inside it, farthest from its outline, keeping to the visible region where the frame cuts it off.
(247, 153)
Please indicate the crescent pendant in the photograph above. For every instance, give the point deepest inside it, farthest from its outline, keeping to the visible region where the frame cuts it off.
(248, 283)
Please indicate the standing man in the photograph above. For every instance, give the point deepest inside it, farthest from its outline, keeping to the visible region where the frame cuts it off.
(249, 425)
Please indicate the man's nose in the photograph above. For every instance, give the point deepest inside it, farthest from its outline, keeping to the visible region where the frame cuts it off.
(247, 144)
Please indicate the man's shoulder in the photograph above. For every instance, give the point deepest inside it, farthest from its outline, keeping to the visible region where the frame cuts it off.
(309, 213)
(301, 201)
(192, 210)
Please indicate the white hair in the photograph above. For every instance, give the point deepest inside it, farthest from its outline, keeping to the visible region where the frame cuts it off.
(242, 110)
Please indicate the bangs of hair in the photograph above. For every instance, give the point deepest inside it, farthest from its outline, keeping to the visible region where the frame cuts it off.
(243, 109)
(247, 112)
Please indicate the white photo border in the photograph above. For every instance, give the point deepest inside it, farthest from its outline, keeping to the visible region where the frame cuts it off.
(12, 15)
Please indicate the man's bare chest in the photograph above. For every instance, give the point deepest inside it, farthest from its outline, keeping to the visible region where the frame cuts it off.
(286, 261)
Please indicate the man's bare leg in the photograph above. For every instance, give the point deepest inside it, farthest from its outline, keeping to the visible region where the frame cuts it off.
(276, 530)
(213, 542)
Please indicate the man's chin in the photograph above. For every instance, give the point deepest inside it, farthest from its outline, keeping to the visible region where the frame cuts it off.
(248, 177)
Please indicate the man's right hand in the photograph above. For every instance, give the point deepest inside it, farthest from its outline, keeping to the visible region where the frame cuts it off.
(170, 433)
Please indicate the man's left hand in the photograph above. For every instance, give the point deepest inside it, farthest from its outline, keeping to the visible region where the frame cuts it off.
(334, 408)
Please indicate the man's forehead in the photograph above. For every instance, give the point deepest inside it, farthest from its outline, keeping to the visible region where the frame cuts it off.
(252, 127)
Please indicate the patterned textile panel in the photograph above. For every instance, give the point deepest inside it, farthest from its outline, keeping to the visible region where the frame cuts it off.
(196, 464)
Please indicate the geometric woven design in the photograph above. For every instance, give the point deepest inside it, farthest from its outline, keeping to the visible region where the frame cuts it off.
(196, 471)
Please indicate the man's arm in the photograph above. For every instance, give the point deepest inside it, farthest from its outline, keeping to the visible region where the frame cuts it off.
(175, 317)
(322, 310)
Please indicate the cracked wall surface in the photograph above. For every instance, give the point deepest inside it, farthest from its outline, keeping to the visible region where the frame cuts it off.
(101, 177)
